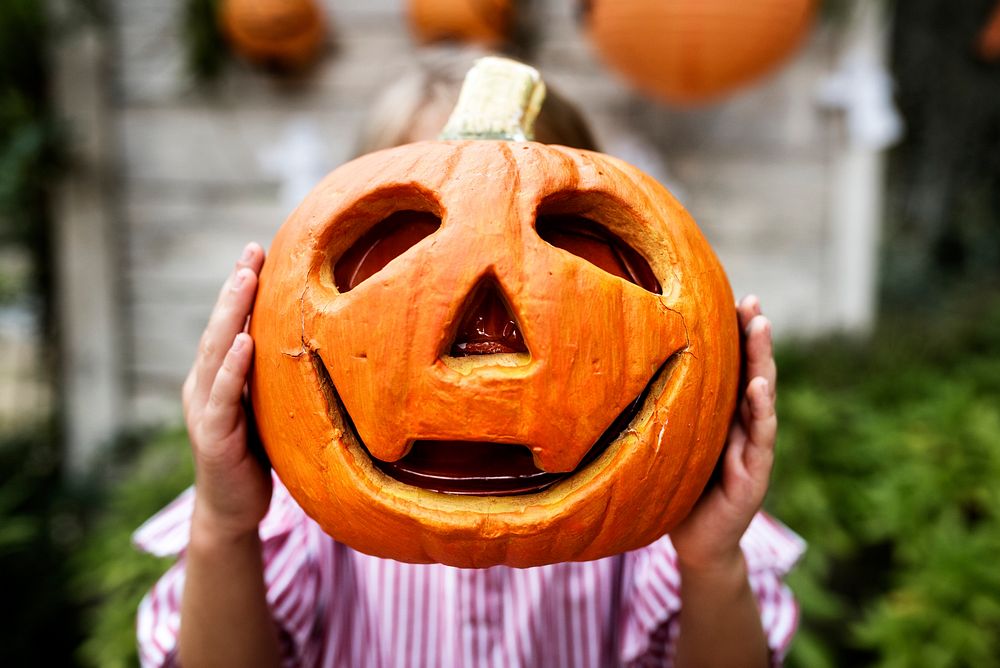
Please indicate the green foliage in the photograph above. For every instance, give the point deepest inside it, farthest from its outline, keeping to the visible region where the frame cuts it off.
(888, 465)
(839, 11)
(111, 576)
(30, 155)
(37, 531)
(943, 214)
(26, 134)
(207, 52)
(69, 569)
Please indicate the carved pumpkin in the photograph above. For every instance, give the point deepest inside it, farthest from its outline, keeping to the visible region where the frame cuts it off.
(491, 352)
(282, 34)
(486, 22)
(690, 51)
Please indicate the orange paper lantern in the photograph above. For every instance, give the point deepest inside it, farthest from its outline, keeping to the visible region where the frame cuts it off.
(692, 51)
(989, 38)
(486, 22)
(281, 34)
(482, 352)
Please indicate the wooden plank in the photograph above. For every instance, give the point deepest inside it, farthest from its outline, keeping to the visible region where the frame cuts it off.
(763, 171)
(219, 146)
(86, 252)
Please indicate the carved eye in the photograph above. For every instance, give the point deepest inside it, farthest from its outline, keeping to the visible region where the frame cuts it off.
(386, 241)
(592, 242)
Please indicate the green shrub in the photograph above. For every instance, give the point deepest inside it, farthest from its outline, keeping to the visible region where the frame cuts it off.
(889, 465)
(70, 572)
(943, 194)
(38, 530)
(110, 576)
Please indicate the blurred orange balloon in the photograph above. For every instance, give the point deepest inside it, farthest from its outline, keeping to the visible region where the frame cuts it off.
(694, 51)
(486, 22)
(283, 34)
(989, 38)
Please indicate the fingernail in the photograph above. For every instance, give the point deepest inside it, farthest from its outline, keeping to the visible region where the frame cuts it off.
(247, 253)
(238, 343)
(759, 323)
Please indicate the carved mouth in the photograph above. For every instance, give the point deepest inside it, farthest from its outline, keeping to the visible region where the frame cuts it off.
(477, 468)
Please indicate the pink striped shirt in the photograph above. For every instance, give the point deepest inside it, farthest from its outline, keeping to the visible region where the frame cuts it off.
(338, 607)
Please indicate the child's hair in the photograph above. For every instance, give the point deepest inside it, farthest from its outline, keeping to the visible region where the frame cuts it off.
(416, 106)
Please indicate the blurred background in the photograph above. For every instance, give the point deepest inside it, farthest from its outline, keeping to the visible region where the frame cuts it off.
(843, 158)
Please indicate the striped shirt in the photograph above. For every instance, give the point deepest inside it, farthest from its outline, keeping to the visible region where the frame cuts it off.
(338, 607)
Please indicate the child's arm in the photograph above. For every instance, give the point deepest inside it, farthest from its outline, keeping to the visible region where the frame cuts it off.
(225, 620)
(719, 621)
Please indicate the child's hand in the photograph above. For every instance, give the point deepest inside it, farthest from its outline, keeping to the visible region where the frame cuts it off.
(709, 537)
(232, 490)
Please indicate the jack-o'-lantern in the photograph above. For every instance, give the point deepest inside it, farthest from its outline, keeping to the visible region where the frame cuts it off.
(487, 351)
(692, 51)
(486, 22)
(279, 34)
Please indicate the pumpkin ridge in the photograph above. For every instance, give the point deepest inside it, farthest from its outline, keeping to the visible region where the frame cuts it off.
(513, 170)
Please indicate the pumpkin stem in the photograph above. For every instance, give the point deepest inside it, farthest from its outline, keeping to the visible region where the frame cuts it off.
(500, 99)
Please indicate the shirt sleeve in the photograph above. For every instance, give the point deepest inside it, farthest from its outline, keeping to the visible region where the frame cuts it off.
(651, 593)
(293, 549)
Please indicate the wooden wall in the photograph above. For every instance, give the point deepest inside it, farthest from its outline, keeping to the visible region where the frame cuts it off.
(761, 172)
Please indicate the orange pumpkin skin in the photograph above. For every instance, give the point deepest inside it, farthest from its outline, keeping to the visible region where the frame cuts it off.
(694, 51)
(595, 343)
(286, 34)
(486, 22)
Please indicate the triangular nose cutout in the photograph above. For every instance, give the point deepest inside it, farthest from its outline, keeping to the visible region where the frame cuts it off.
(487, 326)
